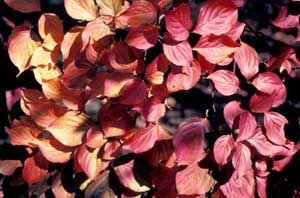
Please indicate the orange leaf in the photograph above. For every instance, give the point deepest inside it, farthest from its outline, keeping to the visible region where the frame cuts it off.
(81, 9)
(21, 44)
(110, 7)
(70, 128)
(46, 72)
(8, 167)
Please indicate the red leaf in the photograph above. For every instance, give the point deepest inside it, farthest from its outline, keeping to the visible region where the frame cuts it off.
(35, 168)
(239, 186)
(111, 150)
(164, 181)
(232, 110)
(247, 60)
(225, 82)
(142, 140)
(215, 49)
(127, 178)
(139, 13)
(215, 17)
(285, 21)
(160, 153)
(274, 123)
(183, 78)
(130, 97)
(178, 22)
(89, 161)
(156, 70)
(223, 148)
(81, 9)
(142, 37)
(194, 180)
(8, 167)
(241, 159)
(260, 103)
(189, 140)
(24, 6)
(236, 31)
(247, 126)
(179, 53)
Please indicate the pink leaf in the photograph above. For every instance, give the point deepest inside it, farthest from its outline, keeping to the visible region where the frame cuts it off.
(12, 97)
(143, 139)
(189, 140)
(285, 21)
(232, 110)
(194, 180)
(247, 60)
(222, 149)
(260, 103)
(236, 31)
(8, 167)
(247, 126)
(241, 159)
(130, 97)
(178, 22)
(179, 53)
(215, 17)
(225, 82)
(142, 37)
(267, 82)
(274, 124)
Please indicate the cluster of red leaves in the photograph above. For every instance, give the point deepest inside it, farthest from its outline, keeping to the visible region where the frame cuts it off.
(99, 63)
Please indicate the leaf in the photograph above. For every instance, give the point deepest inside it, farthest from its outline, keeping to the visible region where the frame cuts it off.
(23, 132)
(12, 97)
(8, 167)
(22, 42)
(130, 97)
(239, 186)
(215, 49)
(72, 43)
(139, 13)
(70, 128)
(111, 150)
(152, 109)
(54, 151)
(260, 103)
(46, 72)
(108, 84)
(274, 123)
(179, 22)
(58, 188)
(223, 148)
(115, 120)
(35, 168)
(142, 140)
(89, 161)
(241, 159)
(156, 69)
(247, 126)
(160, 153)
(194, 180)
(225, 82)
(179, 53)
(189, 141)
(215, 17)
(236, 31)
(94, 138)
(43, 57)
(247, 60)
(183, 78)
(232, 111)
(110, 7)
(285, 21)
(126, 177)
(122, 59)
(50, 24)
(267, 82)
(24, 6)
(81, 9)
(142, 37)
